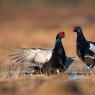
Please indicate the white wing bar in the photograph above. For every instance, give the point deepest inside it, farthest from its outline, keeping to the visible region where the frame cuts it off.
(32, 55)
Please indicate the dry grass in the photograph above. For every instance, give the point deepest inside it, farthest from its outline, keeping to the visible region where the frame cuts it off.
(58, 85)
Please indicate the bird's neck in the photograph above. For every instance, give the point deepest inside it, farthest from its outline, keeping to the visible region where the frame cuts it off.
(59, 49)
(58, 44)
(80, 37)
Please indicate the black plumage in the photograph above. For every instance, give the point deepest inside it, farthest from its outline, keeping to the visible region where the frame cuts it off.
(85, 49)
(58, 58)
(44, 61)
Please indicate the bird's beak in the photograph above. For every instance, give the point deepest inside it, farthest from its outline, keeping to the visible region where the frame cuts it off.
(63, 36)
(74, 30)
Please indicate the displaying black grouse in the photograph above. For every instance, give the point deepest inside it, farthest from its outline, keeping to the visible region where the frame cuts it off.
(85, 49)
(44, 61)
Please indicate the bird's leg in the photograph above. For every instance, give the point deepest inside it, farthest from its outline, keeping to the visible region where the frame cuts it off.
(40, 67)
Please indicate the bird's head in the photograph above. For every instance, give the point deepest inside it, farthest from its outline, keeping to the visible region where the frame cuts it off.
(77, 29)
(60, 35)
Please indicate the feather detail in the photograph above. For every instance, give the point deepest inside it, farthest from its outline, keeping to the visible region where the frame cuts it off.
(31, 55)
(88, 56)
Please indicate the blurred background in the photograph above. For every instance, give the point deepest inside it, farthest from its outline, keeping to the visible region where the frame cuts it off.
(35, 23)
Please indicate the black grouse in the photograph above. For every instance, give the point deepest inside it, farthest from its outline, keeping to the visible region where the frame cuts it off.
(85, 49)
(44, 61)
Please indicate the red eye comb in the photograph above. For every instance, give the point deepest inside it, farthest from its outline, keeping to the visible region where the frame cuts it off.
(61, 33)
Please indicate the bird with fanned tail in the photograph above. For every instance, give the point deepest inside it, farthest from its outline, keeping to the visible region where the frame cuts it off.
(85, 49)
(45, 61)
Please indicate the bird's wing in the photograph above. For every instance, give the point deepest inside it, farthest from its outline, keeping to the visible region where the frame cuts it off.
(92, 47)
(31, 55)
(91, 42)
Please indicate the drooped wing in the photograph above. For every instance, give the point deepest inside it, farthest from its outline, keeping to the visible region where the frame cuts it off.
(31, 55)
